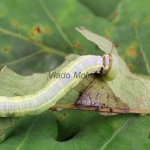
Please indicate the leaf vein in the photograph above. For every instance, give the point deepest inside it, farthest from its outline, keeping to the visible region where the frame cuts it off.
(115, 134)
(19, 36)
(58, 27)
(27, 134)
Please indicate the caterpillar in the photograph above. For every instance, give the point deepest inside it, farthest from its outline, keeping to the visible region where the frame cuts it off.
(56, 88)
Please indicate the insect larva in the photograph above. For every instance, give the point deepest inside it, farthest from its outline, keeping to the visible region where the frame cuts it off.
(58, 87)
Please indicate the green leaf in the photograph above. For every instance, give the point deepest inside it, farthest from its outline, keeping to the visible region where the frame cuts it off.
(131, 32)
(13, 84)
(131, 89)
(100, 132)
(6, 125)
(91, 131)
(117, 126)
(24, 55)
(35, 40)
(29, 128)
(103, 8)
(36, 37)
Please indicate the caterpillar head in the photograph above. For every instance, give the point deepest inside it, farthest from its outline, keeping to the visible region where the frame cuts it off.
(111, 65)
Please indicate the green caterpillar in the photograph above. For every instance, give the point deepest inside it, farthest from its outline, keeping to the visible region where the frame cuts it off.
(56, 88)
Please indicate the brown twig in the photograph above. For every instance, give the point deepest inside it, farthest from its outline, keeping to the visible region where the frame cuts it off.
(108, 110)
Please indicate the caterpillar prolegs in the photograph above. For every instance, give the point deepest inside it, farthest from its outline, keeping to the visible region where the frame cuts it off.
(56, 88)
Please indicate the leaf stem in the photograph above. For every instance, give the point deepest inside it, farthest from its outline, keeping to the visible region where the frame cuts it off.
(107, 110)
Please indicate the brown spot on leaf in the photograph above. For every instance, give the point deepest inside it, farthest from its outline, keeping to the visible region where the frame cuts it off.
(6, 49)
(38, 30)
(109, 30)
(131, 67)
(132, 52)
(115, 13)
(106, 37)
(84, 18)
(134, 44)
(15, 23)
(147, 20)
(82, 51)
(76, 44)
(47, 54)
(32, 33)
(64, 45)
(134, 23)
(39, 41)
(47, 30)
(31, 39)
